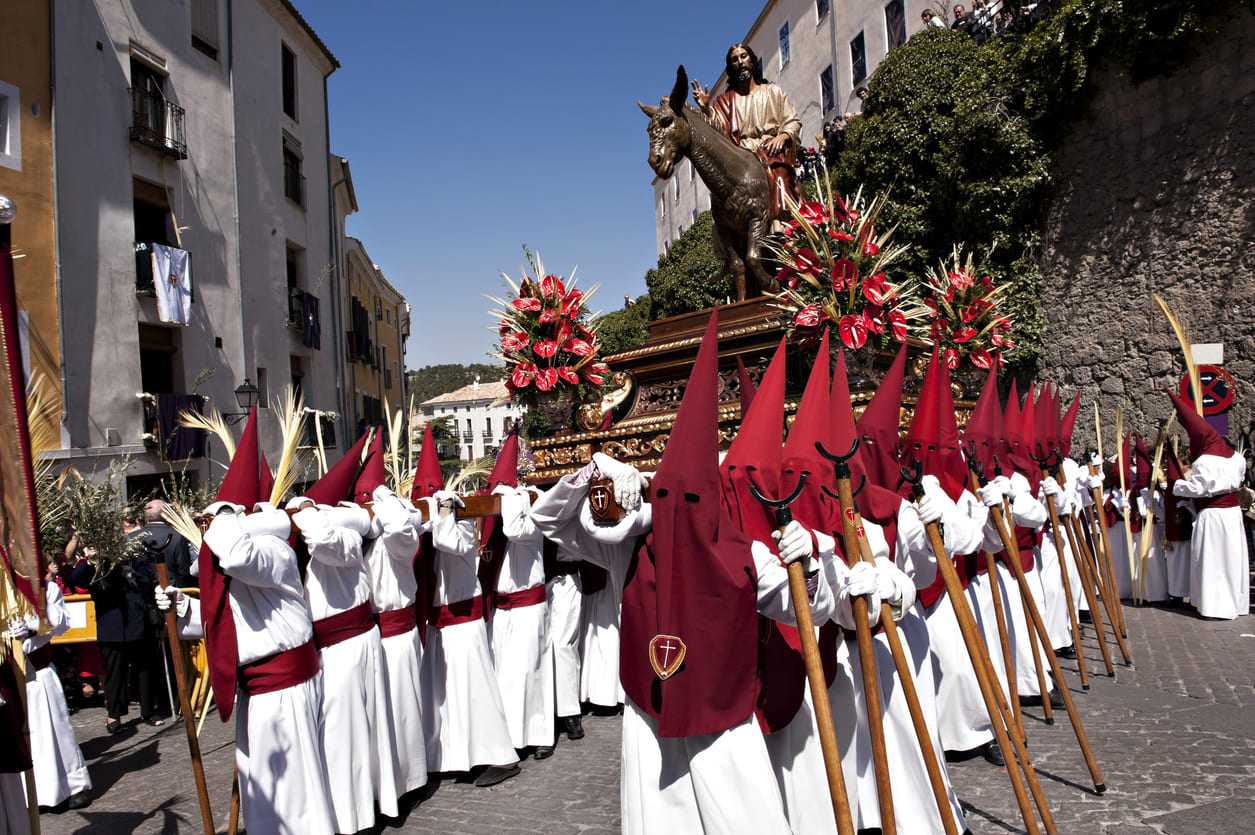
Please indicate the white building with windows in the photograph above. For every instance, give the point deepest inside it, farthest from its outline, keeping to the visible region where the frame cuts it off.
(199, 126)
(820, 53)
(478, 415)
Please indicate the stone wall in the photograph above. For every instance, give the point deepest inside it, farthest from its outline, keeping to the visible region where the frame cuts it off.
(1156, 194)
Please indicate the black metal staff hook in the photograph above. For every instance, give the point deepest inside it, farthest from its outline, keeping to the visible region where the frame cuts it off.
(914, 476)
(781, 506)
(839, 462)
(974, 464)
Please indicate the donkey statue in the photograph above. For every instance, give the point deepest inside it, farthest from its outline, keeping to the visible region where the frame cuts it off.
(740, 202)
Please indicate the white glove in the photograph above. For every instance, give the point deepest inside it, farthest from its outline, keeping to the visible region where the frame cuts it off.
(627, 480)
(1096, 460)
(18, 630)
(860, 580)
(886, 589)
(309, 518)
(502, 489)
(794, 543)
(1051, 488)
(1004, 486)
(446, 496)
(1095, 481)
(1119, 500)
(990, 495)
(181, 601)
(1141, 506)
(929, 509)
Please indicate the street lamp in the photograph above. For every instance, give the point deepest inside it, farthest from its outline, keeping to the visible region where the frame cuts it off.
(246, 395)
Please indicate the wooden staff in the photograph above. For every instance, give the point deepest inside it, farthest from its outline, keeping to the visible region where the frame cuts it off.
(1072, 621)
(1086, 560)
(233, 822)
(814, 669)
(1108, 565)
(1128, 524)
(989, 689)
(1009, 543)
(189, 723)
(852, 522)
(1048, 711)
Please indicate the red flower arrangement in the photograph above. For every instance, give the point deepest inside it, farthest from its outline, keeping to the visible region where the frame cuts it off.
(548, 340)
(836, 272)
(960, 313)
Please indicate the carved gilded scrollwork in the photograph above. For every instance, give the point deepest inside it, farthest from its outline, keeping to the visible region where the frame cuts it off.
(590, 415)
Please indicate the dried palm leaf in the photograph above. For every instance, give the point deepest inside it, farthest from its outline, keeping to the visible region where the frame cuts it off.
(213, 423)
(291, 414)
(1196, 385)
(178, 517)
(473, 475)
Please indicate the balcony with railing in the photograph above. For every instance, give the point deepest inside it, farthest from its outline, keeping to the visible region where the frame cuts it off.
(157, 122)
(468, 437)
(293, 179)
(161, 430)
(296, 313)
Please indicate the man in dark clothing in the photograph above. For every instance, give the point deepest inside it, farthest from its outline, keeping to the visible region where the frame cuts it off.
(160, 536)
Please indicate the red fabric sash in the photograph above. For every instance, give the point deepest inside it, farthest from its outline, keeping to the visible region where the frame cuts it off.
(281, 670)
(1227, 500)
(340, 627)
(464, 611)
(519, 599)
(41, 659)
(396, 622)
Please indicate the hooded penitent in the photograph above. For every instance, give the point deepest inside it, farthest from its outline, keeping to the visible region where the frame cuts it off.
(336, 485)
(428, 480)
(373, 473)
(690, 590)
(1204, 439)
(982, 435)
(1178, 523)
(932, 440)
(241, 485)
(746, 385)
(878, 427)
(505, 470)
(1068, 425)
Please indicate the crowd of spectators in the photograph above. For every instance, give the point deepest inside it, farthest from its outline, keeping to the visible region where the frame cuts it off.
(985, 20)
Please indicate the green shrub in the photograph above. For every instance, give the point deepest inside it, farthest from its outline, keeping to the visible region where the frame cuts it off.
(684, 278)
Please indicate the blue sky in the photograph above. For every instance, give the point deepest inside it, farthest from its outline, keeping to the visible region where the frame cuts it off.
(472, 129)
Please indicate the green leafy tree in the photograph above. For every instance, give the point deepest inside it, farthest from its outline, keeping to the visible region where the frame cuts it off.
(624, 329)
(684, 281)
(432, 380)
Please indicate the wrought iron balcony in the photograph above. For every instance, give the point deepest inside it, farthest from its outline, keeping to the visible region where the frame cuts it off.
(157, 123)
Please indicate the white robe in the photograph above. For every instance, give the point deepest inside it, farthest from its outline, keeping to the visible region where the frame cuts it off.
(1154, 579)
(14, 817)
(1178, 558)
(521, 652)
(565, 602)
(361, 763)
(1219, 563)
(599, 642)
(279, 755)
(464, 719)
(390, 559)
(59, 767)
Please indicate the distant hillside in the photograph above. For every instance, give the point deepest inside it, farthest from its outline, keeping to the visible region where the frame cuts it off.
(427, 382)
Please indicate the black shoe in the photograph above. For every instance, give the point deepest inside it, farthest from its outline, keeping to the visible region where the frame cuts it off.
(78, 801)
(1067, 652)
(542, 752)
(1056, 699)
(494, 774)
(1084, 616)
(574, 727)
(992, 753)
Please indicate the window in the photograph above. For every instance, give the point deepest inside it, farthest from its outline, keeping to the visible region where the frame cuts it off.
(784, 44)
(294, 258)
(692, 171)
(289, 82)
(293, 180)
(157, 350)
(826, 95)
(155, 121)
(895, 24)
(205, 27)
(297, 374)
(858, 60)
(153, 225)
(821, 9)
(10, 127)
(676, 186)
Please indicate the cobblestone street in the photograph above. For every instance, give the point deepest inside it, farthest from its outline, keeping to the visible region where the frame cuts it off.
(1172, 737)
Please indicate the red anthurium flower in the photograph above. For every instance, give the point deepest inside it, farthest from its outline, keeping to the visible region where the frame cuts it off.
(897, 324)
(853, 331)
(870, 249)
(981, 359)
(996, 339)
(839, 209)
(571, 305)
(505, 327)
(840, 235)
(813, 213)
(964, 334)
(578, 347)
(567, 373)
(961, 279)
(807, 262)
(951, 357)
(1008, 344)
(790, 228)
(546, 379)
(564, 331)
(1002, 323)
(545, 348)
(808, 316)
(516, 341)
(970, 312)
(787, 275)
(527, 304)
(510, 387)
(523, 374)
(844, 273)
(548, 316)
(940, 330)
(998, 357)
(874, 288)
(552, 286)
(595, 372)
(931, 304)
(872, 323)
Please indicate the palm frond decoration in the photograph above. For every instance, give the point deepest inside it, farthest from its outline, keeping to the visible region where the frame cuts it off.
(473, 476)
(1196, 384)
(291, 414)
(178, 517)
(214, 424)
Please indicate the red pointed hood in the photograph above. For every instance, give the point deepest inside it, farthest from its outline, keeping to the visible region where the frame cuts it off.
(373, 472)
(427, 476)
(1141, 479)
(241, 485)
(1068, 425)
(874, 502)
(1044, 441)
(747, 387)
(1204, 439)
(878, 427)
(982, 435)
(692, 580)
(337, 484)
(812, 508)
(948, 432)
(504, 471)
(755, 455)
